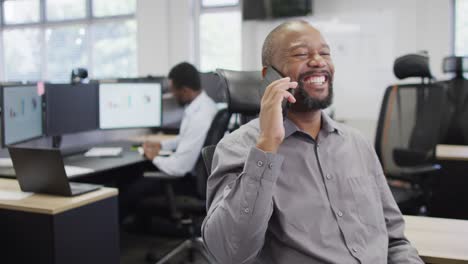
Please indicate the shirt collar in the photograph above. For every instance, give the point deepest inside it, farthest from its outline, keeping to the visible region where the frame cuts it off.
(329, 125)
(195, 104)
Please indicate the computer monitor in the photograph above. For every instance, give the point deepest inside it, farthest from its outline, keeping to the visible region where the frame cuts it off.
(130, 105)
(71, 108)
(21, 113)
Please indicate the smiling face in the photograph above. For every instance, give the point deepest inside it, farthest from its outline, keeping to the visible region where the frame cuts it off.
(301, 53)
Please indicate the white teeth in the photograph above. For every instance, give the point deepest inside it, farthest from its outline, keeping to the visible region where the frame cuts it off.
(316, 80)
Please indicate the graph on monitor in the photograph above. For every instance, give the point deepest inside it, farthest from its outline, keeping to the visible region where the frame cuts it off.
(22, 114)
(129, 105)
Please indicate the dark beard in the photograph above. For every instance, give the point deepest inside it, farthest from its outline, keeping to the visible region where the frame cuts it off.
(306, 103)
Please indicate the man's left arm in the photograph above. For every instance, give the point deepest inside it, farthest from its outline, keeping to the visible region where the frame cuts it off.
(170, 144)
(188, 150)
(400, 249)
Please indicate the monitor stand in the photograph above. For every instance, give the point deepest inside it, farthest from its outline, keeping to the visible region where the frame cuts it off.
(56, 141)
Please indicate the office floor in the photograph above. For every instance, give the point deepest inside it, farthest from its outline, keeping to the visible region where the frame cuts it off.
(134, 246)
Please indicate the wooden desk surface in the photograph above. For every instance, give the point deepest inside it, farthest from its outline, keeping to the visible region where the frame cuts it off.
(451, 152)
(438, 240)
(152, 138)
(49, 204)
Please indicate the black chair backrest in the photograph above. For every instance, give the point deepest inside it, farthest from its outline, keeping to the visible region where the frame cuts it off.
(457, 99)
(412, 65)
(455, 64)
(207, 154)
(214, 86)
(216, 132)
(411, 115)
(243, 91)
(410, 118)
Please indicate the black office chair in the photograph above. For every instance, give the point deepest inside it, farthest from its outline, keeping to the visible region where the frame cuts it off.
(243, 94)
(450, 199)
(182, 209)
(409, 127)
(214, 86)
(207, 155)
(457, 93)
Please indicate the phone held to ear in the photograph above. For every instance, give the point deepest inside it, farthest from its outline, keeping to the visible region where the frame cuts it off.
(272, 75)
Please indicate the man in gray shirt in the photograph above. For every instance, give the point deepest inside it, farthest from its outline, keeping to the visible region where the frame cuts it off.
(301, 188)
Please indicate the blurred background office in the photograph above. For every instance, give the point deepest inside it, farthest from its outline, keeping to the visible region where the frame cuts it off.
(131, 41)
(45, 40)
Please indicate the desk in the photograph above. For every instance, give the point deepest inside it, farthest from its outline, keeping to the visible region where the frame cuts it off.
(452, 152)
(450, 196)
(129, 157)
(438, 240)
(53, 229)
(153, 138)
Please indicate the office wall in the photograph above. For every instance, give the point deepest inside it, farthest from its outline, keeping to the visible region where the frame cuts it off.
(165, 35)
(366, 36)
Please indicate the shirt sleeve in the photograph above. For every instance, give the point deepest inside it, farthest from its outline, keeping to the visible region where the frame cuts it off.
(170, 144)
(188, 148)
(400, 249)
(240, 202)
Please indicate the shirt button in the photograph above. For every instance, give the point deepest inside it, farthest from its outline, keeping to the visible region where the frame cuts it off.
(328, 176)
(270, 165)
(340, 214)
(260, 163)
(246, 210)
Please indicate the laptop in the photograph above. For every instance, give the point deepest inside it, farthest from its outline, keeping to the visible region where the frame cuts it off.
(42, 171)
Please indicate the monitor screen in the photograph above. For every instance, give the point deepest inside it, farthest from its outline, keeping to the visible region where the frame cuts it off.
(71, 108)
(22, 114)
(130, 105)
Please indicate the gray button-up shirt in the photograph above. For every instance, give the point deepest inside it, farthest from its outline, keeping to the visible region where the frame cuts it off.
(315, 201)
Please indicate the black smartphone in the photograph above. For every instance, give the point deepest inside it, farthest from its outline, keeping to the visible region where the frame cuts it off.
(272, 75)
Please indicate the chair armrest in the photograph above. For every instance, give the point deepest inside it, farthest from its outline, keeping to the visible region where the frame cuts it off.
(410, 158)
(415, 174)
(160, 175)
(421, 170)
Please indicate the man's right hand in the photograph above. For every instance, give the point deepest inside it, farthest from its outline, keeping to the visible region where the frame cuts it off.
(151, 149)
(271, 114)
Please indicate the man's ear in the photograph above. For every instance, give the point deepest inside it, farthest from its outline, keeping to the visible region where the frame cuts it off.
(185, 89)
(264, 70)
(187, 92)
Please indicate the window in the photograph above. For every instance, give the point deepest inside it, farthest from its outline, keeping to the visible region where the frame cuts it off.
(103, 8)
(220, 35)
(114, 49)
(66, 49)
(461, 27)
(65, 9)
(22, 53)
(21, 11)
(99, 35)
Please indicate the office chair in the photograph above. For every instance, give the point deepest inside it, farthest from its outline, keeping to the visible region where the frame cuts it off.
(182, 209)
(408, 130)
(207, 155)
(450, 199)
(243, 94)
(214, 86)
(457, 93)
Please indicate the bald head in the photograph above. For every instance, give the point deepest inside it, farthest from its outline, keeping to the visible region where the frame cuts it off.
(271, 41)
